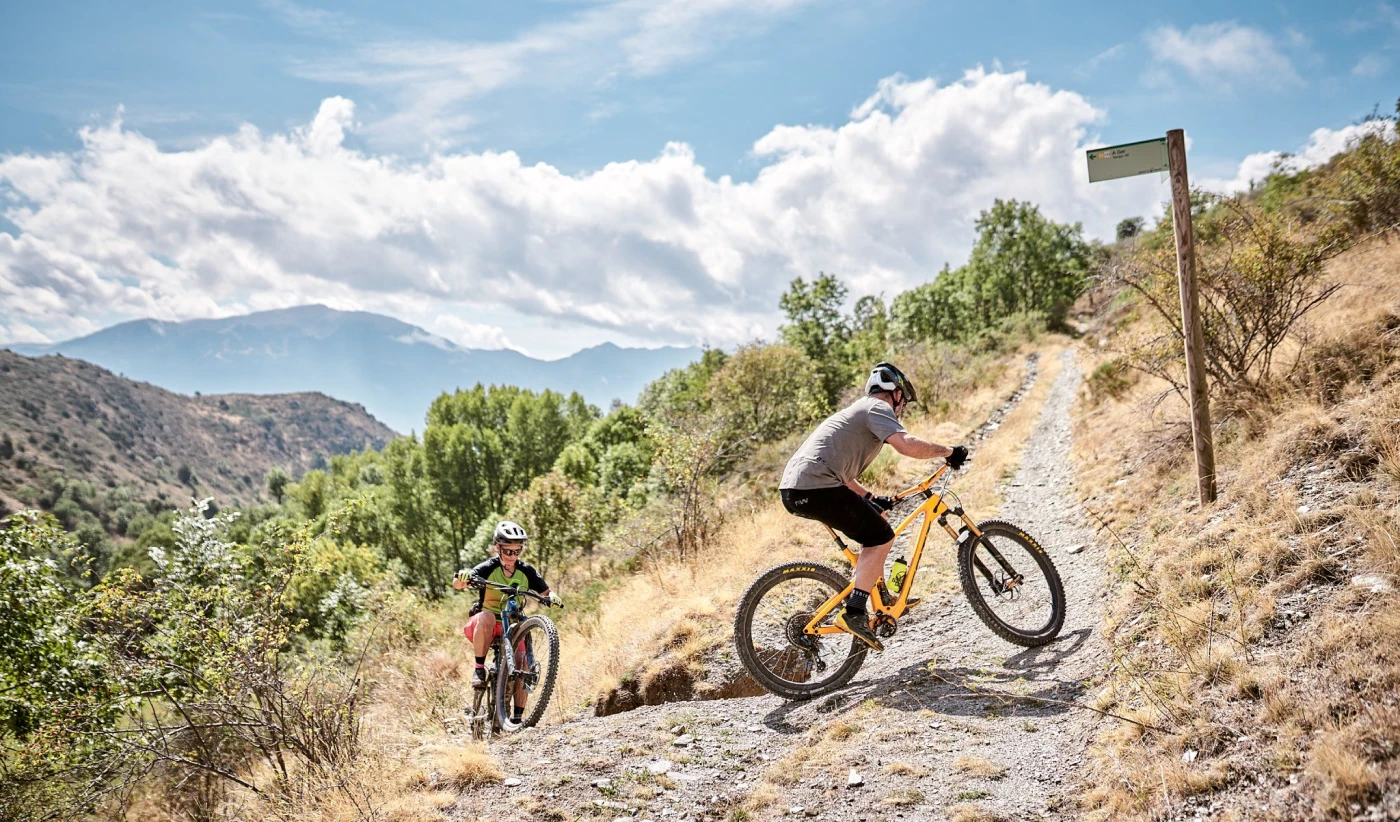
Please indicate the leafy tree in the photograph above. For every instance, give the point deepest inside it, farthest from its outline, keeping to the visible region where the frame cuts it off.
(870, 333)
(562, 519)
(412, 534)
(1025, 263)
(277, 481)
(313, 493)
(621, 466)
(682, 391)
(1128, 228)
(817, 328)
(466, 470)
(578, 463)
(764, 392)
(43, 659)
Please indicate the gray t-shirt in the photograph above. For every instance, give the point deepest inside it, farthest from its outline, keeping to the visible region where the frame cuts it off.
(842, 447)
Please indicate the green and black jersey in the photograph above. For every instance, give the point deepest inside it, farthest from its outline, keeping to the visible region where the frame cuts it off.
(525, 576)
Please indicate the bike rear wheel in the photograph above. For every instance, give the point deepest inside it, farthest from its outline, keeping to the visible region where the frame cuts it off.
(535, 666)
(1012, 584)
(768, 632)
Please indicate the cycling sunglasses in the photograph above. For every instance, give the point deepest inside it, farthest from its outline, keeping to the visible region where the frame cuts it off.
(506, 552)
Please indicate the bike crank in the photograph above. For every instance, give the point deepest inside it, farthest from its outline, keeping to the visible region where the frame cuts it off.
(885, 626)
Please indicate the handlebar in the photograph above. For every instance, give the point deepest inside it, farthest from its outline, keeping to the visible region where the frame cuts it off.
(944, 472)
(509, 590)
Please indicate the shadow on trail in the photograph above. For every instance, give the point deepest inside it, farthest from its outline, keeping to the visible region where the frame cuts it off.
(1025, 686)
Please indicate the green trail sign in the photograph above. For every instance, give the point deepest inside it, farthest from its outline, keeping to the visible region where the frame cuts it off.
(1127, 160)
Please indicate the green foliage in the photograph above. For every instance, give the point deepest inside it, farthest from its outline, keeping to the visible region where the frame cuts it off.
(485, 444)
(277, 481)
(763, 393)
(43, 655)
(182, 674)
(682, 392)
(562, 519)
(410, 519)
(621, 467)
(578, 463)
(1128, 228)
(817, 328)
(1362, 188)
(1021, 264)
(1110, 379)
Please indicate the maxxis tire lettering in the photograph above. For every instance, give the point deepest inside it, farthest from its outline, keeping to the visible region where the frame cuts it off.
(743, 625)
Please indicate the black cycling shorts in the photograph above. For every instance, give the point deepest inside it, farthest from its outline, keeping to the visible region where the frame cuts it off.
(842, 509)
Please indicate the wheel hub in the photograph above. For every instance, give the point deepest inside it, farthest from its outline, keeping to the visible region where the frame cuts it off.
(794, 629)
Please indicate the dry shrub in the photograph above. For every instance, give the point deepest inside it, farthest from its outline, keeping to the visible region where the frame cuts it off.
(973, 813)
(459, 766)
(905, 769)
(1258, 275)
(977, 766)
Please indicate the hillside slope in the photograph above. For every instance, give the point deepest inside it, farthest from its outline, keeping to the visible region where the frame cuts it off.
(392, 368)
(60, 416)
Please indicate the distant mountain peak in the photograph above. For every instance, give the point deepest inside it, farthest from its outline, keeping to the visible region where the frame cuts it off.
(392, 368)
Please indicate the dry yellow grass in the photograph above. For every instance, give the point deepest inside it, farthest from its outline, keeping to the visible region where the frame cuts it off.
(1243, 615)
(977, 766)
(905, 769)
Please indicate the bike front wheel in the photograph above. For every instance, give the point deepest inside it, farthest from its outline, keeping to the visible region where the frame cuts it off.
(768, 632)
(1012, 584)
(480, 717)
(529, 680)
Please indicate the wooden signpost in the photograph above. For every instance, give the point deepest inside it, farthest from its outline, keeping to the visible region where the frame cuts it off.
(1147, 157)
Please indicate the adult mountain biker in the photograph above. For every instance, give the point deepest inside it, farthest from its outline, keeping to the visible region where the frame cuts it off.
(820, 481)
(506, 568)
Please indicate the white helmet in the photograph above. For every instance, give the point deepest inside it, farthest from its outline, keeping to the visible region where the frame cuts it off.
(508, 531)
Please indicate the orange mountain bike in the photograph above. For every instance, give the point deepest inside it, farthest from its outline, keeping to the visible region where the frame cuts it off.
(785, 630)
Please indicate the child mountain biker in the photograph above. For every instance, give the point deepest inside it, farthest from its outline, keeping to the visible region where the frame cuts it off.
(820, 480)
(506, 568)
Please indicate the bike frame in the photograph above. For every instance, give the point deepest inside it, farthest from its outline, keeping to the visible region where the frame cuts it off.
(504, 654)
(936, 508)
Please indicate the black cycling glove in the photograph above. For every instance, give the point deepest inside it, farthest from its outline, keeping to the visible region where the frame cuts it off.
(884, 503)
(958, 457)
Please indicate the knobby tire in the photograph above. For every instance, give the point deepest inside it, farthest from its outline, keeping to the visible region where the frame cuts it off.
(504, 688)
(743, 632)
(967, 546)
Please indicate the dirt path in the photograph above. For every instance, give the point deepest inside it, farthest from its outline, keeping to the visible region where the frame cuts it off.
(949, 722)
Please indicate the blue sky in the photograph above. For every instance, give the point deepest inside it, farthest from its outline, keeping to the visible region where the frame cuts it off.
(576, 85)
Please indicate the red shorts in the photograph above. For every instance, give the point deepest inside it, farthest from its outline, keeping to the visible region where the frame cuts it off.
(471, 623)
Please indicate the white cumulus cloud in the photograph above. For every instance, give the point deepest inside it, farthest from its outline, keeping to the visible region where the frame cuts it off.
(1323, 144)
(657, 249)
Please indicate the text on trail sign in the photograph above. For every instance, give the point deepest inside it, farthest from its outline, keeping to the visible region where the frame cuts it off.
(1127, 160)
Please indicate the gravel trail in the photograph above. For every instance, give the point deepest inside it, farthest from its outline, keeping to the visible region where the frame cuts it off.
(950, 717)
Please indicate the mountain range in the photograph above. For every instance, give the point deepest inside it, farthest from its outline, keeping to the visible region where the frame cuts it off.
(394, 369)
(62, 417)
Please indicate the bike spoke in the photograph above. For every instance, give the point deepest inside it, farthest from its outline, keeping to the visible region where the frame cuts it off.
(1012, 584)
(778, 642)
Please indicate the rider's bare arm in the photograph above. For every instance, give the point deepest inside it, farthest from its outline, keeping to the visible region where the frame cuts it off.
(911, 446)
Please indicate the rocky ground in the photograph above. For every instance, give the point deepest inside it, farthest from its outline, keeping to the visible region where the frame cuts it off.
(950, 722)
